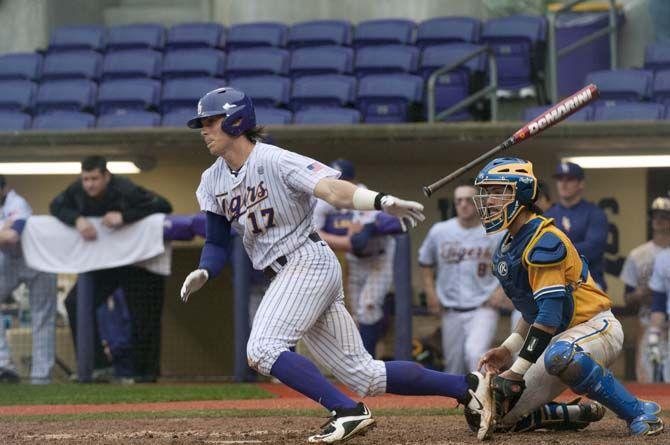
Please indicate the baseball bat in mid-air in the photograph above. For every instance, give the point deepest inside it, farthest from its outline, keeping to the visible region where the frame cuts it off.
(549, 118)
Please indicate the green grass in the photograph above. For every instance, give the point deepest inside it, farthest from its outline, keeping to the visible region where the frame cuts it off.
(62, 394)
(218, 413)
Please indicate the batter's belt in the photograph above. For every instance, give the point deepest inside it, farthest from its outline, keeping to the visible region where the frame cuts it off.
(271, 273)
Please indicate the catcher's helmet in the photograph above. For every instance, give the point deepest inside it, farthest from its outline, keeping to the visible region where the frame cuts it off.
(229, 102)
(497, 211)
(346, 168)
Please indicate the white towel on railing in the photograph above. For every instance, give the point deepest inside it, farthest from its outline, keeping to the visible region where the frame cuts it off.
(51, 246)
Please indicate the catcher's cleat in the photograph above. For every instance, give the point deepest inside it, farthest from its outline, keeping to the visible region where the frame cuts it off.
(479, 407)
(648, 423)
(344, 424)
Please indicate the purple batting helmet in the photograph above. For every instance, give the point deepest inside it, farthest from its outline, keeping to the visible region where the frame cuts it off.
(233, 104)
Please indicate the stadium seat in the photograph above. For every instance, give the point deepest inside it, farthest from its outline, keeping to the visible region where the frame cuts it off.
(454, 86)
(386, 59)
(273, 116)
(194, 63)
(17, 66)
(257, 62)
(384, 32)
(323, 91)
(657, 57)
(628, 85)
(185, 93)
(518, 43)
(130, 118)
(66, 95)
(583, 115)
(387, 98)
(14, 121)
(72, 65)
(321, 60)
(137, 36)
(328, 116)
(128, 94)
(441, 30)
(17, 95)
(64, 120)
(265, 91)
(132, 64)
(195, 35)
(77, 38)
(245, 35)
(629, 111)
(319, 33)
(661, 88)
(177, 118)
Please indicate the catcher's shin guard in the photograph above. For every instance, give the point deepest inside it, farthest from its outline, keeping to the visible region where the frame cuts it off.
(571, 416)
(584, 375)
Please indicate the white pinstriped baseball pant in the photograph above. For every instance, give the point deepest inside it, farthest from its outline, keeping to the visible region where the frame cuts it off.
(306, 301)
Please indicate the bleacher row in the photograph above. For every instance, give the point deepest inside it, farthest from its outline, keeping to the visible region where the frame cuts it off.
(313, 72)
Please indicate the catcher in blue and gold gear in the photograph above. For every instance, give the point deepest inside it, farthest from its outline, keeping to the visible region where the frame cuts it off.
(567, 335)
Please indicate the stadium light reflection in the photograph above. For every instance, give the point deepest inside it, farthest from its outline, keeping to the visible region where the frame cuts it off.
(638, 161)
(62, 168)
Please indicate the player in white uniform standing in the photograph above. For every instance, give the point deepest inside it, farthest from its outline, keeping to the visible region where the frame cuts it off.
(269, 194)
(14, 210)
(455, 259)
(365, 237)
(635, 274)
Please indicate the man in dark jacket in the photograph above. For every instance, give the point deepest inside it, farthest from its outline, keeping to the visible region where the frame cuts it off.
(99, 193)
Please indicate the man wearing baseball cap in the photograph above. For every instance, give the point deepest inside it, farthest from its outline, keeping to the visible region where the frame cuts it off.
(584, 222)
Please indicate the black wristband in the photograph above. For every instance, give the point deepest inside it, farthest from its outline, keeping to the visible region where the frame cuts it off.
(536, 342)
(378, 200)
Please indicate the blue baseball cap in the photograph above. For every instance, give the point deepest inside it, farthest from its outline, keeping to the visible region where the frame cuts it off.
(569, 169)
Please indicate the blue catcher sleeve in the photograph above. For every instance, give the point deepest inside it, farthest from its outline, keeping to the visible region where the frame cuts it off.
(659, 302)
(550, 311)
(215, 252)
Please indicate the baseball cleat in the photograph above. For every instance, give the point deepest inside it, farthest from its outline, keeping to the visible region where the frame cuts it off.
(648, 423)
(479, 406)
(344, 424)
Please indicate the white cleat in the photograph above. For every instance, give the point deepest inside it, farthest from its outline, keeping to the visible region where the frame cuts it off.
(480, 409)
(345, 424)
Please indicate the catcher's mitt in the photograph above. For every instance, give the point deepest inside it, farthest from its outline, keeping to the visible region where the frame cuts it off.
(506, 393)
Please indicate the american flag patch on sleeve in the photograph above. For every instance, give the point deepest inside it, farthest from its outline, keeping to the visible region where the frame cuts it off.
(315, 167)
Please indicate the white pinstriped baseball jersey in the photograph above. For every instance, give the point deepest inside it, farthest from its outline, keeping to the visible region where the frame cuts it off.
(639, 264)
(269, 200)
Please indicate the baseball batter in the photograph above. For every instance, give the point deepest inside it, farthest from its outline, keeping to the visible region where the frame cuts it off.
(365, 237)
(268, 194)
(635, 274)
(455, 259)
(567, 335)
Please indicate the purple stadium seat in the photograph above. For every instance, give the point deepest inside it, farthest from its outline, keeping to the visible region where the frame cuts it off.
(629, 111)
(661, 89)
(196, 35)
(77, 38)
(328, 116)
(17, 95)
(72, 65)
(257, 62)
(384, 32)
(245, 35)
(63, 120)
(194, 63)
(386, 98)
(386, 59)
(657, 57)
(583, 115)
(321, 60)
(66, 95)
(265, 91)
(517, 42)
(185, 93)
(319, 33)
(14, 121)
(177, 118)
(20, 66)
(330, 90)
(273, 116)
(128, 119)
(441, 30)
(627, 85)
(137, 36)
(128, 94)
(132, 64)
